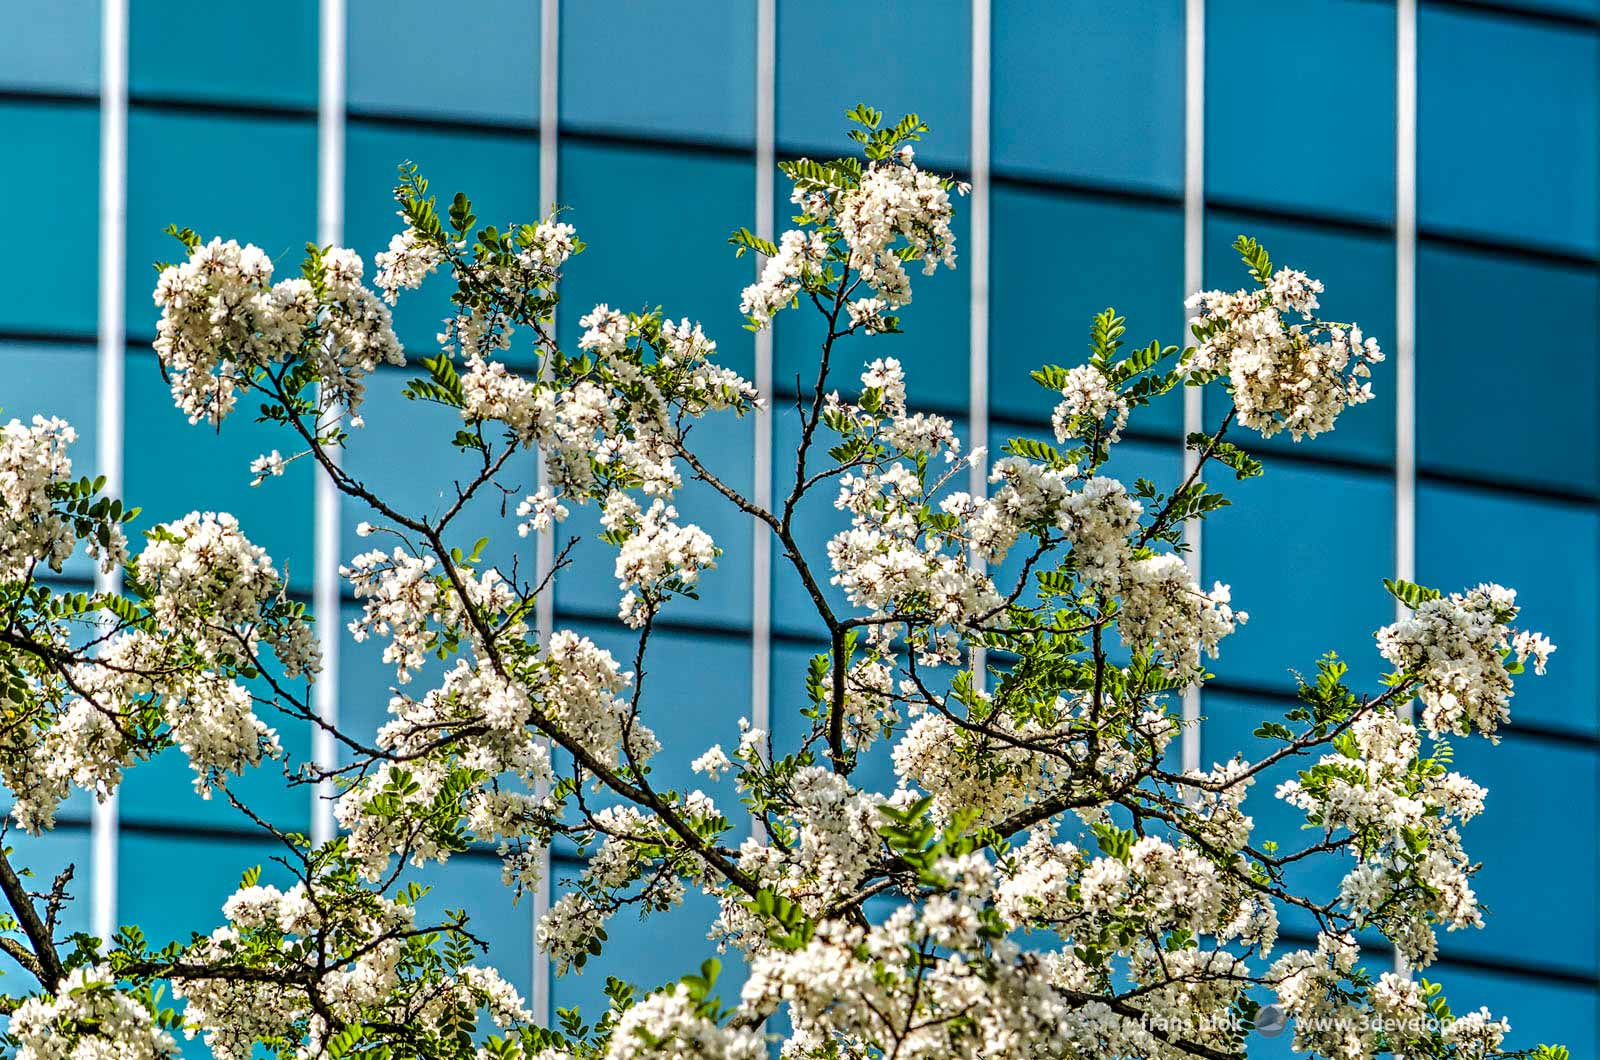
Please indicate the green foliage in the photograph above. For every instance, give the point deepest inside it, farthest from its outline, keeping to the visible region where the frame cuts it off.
(1409, 593)
(1255, 258)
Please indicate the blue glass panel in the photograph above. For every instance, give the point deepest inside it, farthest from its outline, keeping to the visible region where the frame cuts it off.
(620, 198)
(934, 347)
(696, 688)
(875, 769)
(471, 882)
(1228, 730)
(689, 72)
(724, 445)
(1358, 271)
(499, 172)
(1544, 918)
(52, 176)
(269, 201)
(1480, 138)
(39, 860)
(1046, 286)
(1090, 92)
(366, 683)
(1161, 463)
(57, 48)
(1540, 1010)
(161, 791)
(883, 60)
(214, 474)
(1300, 105)
(1306, 551)
(648, 953)
(173, 885)
(1547, 552)
(259, 53)
(815, 522)
(1473, 311)
(55, 380)
(394, 62)
(424, 484)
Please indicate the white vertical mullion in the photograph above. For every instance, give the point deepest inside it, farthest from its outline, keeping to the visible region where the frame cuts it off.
(1194, 212)
(545, 542)
(1405, 291)
(325, 588)
(1405, 295)
(761, 492)
(112, 335)
(978, 271)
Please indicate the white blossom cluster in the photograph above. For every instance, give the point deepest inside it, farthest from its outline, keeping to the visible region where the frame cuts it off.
(88, 1018)
(1294, 377)
(1411, 871)
(34, 470)
(656, 548)
(1457, 645)
(213, 600)
(358, 956)
(1088, 399)
(1165, 612)
(223, 321)
(408, 261)
(871, 226)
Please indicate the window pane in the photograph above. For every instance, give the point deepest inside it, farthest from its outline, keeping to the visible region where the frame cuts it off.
(1544, 918)
(696, 688)
(816, 521)
(934, 347)
(1090, 92)
(215, 471)
(471, 882)
(648, 953)
(1547, 552)
(58, 48)
(55, 380)
(1479, 138)
(173, 885)
(1228, 728)
(883, 60)
(1300, 105)
(394, 63)
(269, 198)
(1058, 259)
(620, 197)
(1305, 551)
(1539, 1011)
(1358, 271)
(52, 177)
(589, 586)
(161, 792)
(424, 483)
(45, 856)
(1530, 329)
(875, 769)
(257, 53)
(366, 682)
(499, 172)
(689, 69)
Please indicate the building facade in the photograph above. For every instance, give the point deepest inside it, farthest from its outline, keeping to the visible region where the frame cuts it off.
(1436, 163)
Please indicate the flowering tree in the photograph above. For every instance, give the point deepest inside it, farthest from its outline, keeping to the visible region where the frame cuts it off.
(1048, 882)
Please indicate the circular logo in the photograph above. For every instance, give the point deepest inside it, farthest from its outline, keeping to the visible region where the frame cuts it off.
(1270, 1021)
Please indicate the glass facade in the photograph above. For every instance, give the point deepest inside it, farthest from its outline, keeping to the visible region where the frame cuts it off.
(1089, 184)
